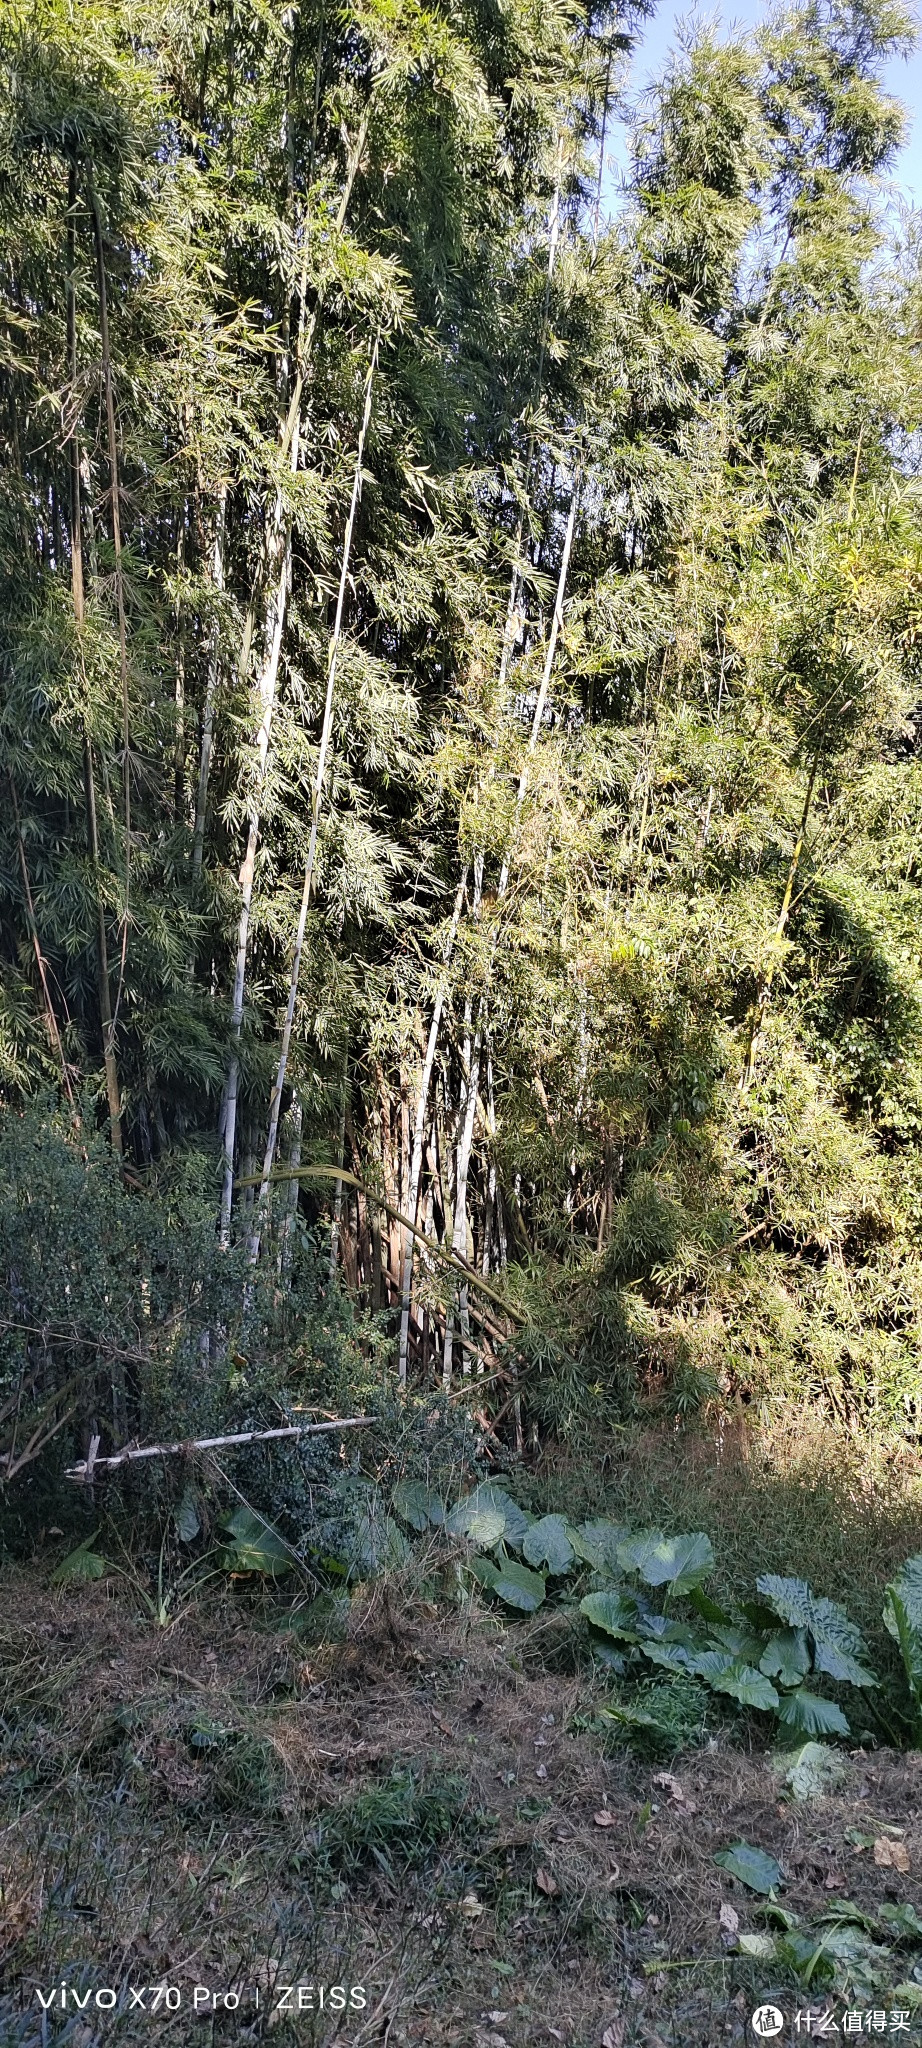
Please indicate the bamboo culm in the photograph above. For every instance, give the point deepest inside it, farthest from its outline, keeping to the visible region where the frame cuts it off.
(86, 1470)
(116, 523)
(277, 557)
(78, 589)
(316, 800)
(211, 690)
(419, 1130)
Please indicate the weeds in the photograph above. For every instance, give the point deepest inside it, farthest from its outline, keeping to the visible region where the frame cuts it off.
(398, 1826)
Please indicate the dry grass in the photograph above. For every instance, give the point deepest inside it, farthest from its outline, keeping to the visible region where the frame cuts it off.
(295, 1846)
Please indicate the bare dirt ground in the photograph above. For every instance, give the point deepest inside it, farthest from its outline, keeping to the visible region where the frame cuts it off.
(418, 1815)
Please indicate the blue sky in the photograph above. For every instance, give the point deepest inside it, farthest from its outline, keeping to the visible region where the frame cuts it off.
(903, 78)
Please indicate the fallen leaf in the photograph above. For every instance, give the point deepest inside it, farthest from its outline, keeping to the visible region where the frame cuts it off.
(752, 1866)
(471, 1906)
(496, 2018)
(547, 1884)
(834, 1881)
(891, 1855)
(762, 1946)
(604, 1819)
(540, 1772)
(729, 1919)
(812, 1771)
(613, 2036)
(676, 1791)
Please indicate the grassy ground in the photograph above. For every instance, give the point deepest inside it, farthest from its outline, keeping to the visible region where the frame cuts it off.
(421, 1814)
(786, 1492)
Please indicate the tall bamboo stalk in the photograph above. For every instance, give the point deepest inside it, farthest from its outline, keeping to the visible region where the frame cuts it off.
(211, 688)
(466, 1136)
(515, 582)
(32, 922)
(760, 1006)
(541, 701)
(463, 1152)
(316, 800)
(267, 689)
(336, 1226)
(116, 523)
(419, 1130)
(277, 560)
(465, 1141)
(179, 737)
(78, 589)
(294, 1160)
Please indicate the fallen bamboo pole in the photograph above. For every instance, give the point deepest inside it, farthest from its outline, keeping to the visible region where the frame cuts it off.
(86, 1471)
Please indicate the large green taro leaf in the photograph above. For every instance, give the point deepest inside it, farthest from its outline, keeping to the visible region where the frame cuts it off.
(838, 1645)
(670, 1656)
(254, 1546)
(747, 1686)
(519, 1587)
(616, 1613)
(805, 1713)
(786, 1656)
(548, 1542)
(676, 1562)
(418, 1506)
(812, 1771)
(753, 1867)
(488, 1516)
(597, 1543)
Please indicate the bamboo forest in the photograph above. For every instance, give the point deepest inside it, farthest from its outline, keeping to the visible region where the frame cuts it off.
(460, 1023)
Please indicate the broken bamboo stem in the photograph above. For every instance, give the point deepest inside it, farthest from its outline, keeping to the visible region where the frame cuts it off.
(87, 1469)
